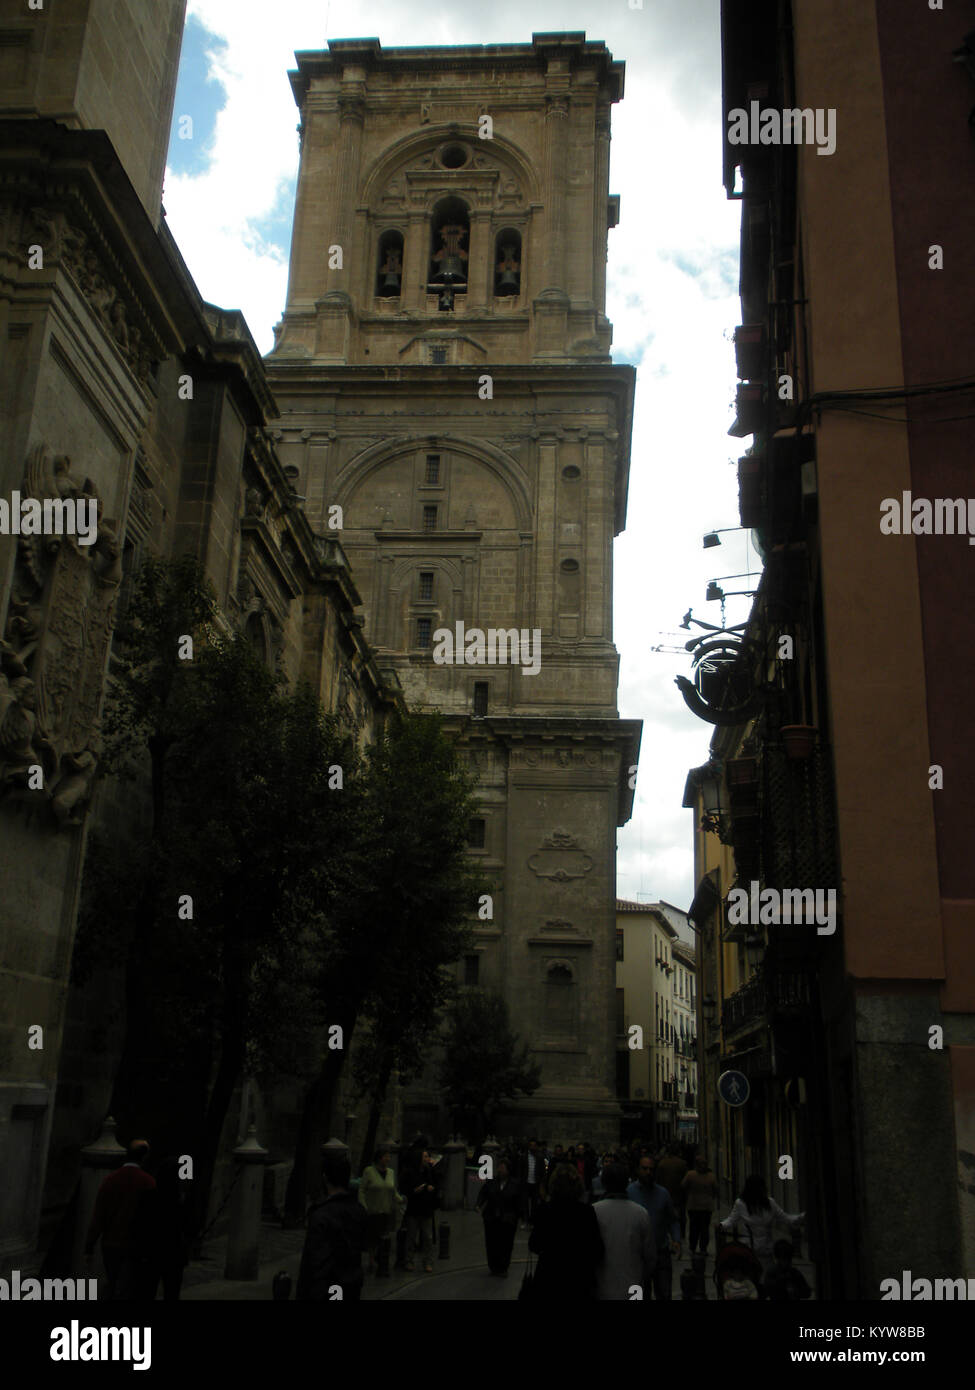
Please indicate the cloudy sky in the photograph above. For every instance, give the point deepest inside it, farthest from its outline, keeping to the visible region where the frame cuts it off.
(671, 295)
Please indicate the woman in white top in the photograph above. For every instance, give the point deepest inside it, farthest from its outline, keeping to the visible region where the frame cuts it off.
(755, 1212)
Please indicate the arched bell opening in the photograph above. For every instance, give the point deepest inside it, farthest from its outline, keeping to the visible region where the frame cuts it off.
(507, 262)
(450, 238)
(389, 272)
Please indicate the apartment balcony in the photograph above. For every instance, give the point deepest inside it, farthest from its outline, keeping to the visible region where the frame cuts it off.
(771, 996)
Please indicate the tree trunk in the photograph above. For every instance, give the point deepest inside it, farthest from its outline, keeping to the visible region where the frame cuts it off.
(376, 1110)
(231, 1054)
(305, 1179)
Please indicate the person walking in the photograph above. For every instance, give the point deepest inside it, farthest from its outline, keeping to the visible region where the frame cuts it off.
(566, 1240)
(598, 1190)
(700, 1188)
(336, 1238)
(114, 1223)
(421, 1187)
(162, 1234)
(499, 1201)
(757, 1212)
(671, 1171)
(381, 1202)
(663, 1217)
(531, 1175)
(627, 1235)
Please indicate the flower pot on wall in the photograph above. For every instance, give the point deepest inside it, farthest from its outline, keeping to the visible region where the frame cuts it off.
(798, 739)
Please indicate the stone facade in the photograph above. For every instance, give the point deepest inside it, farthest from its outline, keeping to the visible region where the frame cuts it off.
(98, 65)
(118, 384)
(475, 436)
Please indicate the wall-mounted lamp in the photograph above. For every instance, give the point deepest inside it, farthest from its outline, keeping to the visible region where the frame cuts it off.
(713, 538)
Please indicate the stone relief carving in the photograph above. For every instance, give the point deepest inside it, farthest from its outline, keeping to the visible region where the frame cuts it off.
(54, 648)
(560, 858)
(64, 243)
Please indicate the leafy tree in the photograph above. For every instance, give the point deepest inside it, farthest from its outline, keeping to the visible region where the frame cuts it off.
(406, 922)
(226, 905)
(482, 1063)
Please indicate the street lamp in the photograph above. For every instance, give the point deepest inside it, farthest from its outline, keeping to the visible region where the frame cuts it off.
(713, 538)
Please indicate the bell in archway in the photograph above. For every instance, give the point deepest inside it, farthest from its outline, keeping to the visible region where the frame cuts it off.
(508, 268)
(451, 259)
(390, 272)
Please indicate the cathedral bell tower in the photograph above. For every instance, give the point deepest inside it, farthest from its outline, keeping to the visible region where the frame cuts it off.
(448, 397)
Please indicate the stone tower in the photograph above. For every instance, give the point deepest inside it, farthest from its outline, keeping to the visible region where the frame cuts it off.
(443, 372)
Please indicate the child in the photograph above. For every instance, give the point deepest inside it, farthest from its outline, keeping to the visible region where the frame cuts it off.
(783, 1283)
(736, 1284)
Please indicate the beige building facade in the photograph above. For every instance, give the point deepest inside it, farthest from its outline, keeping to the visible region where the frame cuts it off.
(449, 403)
(656, 1027)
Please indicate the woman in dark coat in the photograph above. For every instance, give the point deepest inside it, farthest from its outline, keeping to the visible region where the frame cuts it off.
(420, 1185)
(566, 1240)
(499, 1201)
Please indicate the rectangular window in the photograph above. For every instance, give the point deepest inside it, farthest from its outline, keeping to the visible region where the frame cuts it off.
(480, 698)
(475, 836)
(433, 467)
(619, 943)
(472, 965)
(438, 356)
(426, 584)
(423, 626)
(429, 518)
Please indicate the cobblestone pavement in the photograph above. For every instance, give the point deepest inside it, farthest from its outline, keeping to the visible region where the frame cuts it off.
(463, 1277)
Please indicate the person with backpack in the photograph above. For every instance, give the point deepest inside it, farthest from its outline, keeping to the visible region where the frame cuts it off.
(337, 1230)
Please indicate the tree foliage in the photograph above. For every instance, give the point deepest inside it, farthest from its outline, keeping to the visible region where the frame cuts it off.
(482, 1063)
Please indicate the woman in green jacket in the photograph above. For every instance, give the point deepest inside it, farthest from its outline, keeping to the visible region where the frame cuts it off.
(378, 1194)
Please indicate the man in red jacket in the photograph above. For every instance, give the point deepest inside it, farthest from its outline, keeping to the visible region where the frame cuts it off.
(114, 1221)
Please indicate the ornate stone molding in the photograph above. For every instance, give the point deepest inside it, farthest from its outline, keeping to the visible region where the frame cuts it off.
(54, 649)
(561, 858)
(65, 243)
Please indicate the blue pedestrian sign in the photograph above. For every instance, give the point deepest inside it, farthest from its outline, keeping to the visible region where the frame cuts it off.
(733, 1087)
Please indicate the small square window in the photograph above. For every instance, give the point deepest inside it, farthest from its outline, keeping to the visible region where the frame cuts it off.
(475, 834)
(472, 968)
(426, 584)
(423, 626)
(433, 468)
(480, 698)
(438, 356)
(429, 518)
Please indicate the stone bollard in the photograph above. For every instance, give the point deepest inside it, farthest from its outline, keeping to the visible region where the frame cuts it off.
(245, 1209)
(97, 1160)
(454, 1162)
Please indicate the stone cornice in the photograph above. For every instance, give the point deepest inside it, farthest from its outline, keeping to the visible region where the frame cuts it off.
(570, 49)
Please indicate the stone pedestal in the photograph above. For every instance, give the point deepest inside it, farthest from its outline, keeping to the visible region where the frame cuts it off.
(97, 1160)
(454, 1159)
(245, 1210)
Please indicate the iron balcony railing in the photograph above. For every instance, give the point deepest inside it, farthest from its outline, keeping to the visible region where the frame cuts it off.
(763, 998)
